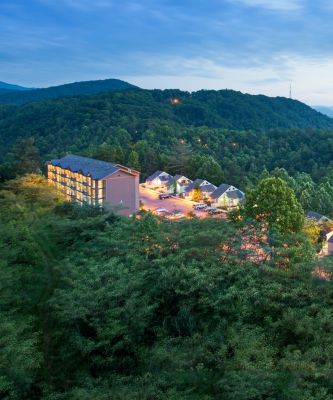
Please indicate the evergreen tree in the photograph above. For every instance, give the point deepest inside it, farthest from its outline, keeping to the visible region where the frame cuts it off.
(274, 201)
(178, 160)
(133, 160)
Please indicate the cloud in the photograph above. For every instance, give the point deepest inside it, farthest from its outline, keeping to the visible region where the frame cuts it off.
(79, 5)
(277, 5)
(311, 78)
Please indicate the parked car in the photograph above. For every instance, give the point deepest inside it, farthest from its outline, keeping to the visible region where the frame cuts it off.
(163, 196)
(200, 206)
(208, 209)
(176, 214)
(215, 211)
(161, 211)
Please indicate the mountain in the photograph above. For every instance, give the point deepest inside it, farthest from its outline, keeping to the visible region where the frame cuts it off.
(8, 87)
(324, 110)
(237, 133)
(70, 89)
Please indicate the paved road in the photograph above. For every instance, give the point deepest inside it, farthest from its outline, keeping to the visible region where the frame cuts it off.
(151, 202)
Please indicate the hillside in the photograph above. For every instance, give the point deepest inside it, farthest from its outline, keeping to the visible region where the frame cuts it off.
(325, 110)
(240, 134)
(70, 89)
(9, 86)
(124, 308)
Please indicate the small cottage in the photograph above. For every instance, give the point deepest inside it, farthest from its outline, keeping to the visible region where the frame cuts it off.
(227, 196)
(179, 184)
(204, 187)
(159, 179)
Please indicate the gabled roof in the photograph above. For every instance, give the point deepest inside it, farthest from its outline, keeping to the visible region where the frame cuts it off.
(88, 166)
(330, 240)
(235, 194)
(165, 177)
(198, 183)
(177, 176)
(208, 188)
(220, 190)
(316, 216)
(223, 188)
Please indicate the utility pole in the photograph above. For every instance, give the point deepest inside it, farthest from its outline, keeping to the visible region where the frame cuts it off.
(290, 92)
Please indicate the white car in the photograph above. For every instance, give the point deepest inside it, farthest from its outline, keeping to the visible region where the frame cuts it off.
(200, 206)
(161, 211)
(176, 214)
(208, 209)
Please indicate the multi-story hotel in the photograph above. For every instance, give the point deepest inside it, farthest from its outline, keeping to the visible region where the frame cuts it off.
(95, 182)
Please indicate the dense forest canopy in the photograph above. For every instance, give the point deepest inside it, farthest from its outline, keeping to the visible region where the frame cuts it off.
(216, 135)
(25, 95)
(95, 306)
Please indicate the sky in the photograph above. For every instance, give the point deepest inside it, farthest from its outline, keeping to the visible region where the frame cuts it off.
(255, 46)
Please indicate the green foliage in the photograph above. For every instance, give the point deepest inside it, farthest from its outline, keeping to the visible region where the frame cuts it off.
(98, 306)
(207, 167)
(178, 160)
(238, 133)
(70, 89)
(133, 160)
(274, 201)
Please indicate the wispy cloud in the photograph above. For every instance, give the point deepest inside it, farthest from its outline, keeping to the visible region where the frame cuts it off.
(249, 45)
(279, 5)
(79, 5)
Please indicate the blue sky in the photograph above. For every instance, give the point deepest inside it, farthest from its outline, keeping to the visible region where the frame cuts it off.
(256, 46)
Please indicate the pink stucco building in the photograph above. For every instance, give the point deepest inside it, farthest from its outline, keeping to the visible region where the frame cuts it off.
(95, 182)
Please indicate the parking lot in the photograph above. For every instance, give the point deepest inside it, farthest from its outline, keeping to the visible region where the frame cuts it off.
(151, 202)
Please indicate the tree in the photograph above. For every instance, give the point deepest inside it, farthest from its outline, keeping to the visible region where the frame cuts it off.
(197, 194)
(110, 153)
(206, 167)
(178, 160)
(274, 201)
(133, 160)
(24, 157)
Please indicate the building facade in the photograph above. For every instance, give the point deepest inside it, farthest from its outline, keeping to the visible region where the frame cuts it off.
(227, 196)
(96, 183)
(159, 179)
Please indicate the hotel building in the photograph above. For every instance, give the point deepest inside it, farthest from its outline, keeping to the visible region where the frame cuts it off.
(97, 183)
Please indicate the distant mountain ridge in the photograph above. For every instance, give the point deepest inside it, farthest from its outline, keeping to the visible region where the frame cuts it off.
(7, 87)
(324, 110)
(24, 95)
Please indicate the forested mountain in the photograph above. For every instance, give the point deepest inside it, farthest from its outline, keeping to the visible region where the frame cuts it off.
(325, 110)
(70, 89)
(219, 136)
(9, 86)
(96, 306)
(100, 307)
(244, 134)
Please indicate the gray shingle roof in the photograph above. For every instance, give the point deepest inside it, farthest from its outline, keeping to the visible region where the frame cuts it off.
(195, 184)
(232, 194)
(235, 194)
(88, 166)
(220, 190)
(177, 176)
(156, 174)
(316, 216)
(330, 240)
(208, 188)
